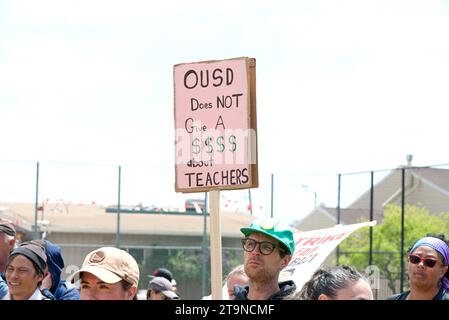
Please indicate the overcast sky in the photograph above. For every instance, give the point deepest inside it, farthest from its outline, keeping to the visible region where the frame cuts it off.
(342, 86)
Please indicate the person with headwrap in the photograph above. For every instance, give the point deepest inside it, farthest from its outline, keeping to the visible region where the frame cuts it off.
(428, 273)
(53, 286)
(25, 271)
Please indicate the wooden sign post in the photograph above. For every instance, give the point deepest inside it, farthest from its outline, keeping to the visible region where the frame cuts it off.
(215, 136)
(215, 245)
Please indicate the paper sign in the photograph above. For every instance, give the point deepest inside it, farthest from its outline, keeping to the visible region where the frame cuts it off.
(215, 122)
(312, 248)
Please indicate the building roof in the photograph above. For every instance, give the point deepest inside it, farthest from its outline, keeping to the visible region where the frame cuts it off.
(85, 218)
(385, 190)
(347, 216)
(350, 216)
(435, 177)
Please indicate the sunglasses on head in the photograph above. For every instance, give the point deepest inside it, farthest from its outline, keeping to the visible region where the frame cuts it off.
(414, 259)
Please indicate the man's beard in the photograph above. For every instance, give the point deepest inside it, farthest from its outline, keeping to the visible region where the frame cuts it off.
(259, 274)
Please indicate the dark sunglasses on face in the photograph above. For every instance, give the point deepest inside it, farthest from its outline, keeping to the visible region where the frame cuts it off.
(414, 259)
(265, 247)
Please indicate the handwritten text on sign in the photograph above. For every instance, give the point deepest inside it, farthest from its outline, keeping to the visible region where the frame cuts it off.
(313, 247)
(212, 120)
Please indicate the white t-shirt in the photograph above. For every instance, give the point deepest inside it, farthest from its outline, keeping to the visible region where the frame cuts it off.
(37, 295)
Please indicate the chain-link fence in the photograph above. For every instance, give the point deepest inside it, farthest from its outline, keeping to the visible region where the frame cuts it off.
(408, 203)
(82, 206)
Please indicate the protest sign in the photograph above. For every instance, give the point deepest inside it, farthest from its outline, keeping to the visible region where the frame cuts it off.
(215, 136)
(313, 247)
(215, 122)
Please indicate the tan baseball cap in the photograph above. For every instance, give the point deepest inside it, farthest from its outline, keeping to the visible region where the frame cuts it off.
(110, 265)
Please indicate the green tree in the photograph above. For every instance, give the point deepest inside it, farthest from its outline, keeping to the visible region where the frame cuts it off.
(185, 265)
(188, 267)
(387, 239)
(158, 258)
(445, 217)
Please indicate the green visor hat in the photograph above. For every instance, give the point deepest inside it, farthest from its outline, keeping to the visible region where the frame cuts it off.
(273, 229)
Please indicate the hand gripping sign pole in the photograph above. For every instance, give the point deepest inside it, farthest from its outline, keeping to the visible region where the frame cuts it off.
(215, 140)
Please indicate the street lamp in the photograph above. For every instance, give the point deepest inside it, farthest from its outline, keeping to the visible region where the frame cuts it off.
(308, 189)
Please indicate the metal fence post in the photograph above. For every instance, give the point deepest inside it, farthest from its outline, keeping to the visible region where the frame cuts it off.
(371, 218)
(402, 229)
(117, 237)
(36, 233)
(250, 202)
(272, 197)
(338, 213)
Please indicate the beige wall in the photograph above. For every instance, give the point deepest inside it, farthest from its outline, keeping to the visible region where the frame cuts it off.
(71, 242)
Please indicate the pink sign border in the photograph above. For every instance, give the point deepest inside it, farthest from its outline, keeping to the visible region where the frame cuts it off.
(253, 182)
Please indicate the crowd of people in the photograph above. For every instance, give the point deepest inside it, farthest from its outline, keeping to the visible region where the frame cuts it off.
(32, 270)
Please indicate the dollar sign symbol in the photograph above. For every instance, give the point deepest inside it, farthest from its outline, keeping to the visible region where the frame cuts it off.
(196, 146)
(232, 142)
(221, 146)
(208, 145)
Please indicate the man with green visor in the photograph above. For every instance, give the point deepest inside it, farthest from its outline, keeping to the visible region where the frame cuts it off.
(268, 247)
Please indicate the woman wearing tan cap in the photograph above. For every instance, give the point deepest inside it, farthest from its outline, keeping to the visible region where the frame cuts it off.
(108, 274)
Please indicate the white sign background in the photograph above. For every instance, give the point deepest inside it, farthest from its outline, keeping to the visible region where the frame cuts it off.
(312, 248)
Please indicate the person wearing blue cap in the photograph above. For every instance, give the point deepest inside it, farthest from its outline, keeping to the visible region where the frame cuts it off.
(428, 273)
(165, 273)
(268, 247)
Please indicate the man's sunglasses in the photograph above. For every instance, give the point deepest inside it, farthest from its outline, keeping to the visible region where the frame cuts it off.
(414, 259)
